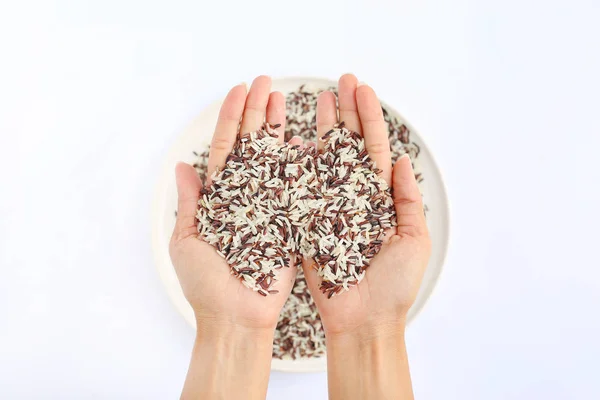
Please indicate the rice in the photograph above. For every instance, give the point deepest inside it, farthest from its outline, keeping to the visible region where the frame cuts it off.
(272, 201)
(299, 332)
(347, 231)
(256, 208)
(301, 120)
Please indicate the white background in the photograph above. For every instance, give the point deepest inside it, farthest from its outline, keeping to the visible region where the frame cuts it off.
(506, 93)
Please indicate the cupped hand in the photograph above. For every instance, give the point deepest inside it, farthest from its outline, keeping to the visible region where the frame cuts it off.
(216, 296)
(391, 283)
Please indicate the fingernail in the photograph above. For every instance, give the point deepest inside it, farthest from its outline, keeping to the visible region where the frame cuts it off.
(245, 85)
(361, 84)
(405, 155)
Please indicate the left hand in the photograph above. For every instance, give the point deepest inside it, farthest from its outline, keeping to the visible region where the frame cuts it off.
(391, 283)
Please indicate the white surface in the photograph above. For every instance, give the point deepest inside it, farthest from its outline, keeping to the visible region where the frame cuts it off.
(505, 93)
(198, 134)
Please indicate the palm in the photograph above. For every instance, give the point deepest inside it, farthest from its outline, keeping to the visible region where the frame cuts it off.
(392, 280)
(388, 289)
(205, 277)
(212, 291)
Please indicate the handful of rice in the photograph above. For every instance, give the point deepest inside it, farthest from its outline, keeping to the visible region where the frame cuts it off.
(299, 332)
(347, 232)
(255, 210)
(273, 200)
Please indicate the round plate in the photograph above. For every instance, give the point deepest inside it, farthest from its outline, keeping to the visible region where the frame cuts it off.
(197, 137)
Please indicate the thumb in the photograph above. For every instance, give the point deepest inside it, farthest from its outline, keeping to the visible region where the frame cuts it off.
(407, 199)
(188, 193)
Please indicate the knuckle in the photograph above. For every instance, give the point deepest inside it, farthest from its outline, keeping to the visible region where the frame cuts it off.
(220, 143)
(409, 201)
(255, 108)
(378, 148)
(229, 115)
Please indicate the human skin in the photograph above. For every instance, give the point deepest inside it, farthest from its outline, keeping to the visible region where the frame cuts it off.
(235, 326)
(364, 327)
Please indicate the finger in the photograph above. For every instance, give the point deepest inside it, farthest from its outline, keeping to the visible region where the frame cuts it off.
(188, 193)
(296, 141)
(226, 130)
(375, 130)
(326, 115)
(256, 104)
(347, 99)
(276, 113)
(407, 199)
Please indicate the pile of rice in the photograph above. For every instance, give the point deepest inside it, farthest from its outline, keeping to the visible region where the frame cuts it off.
(347, 232)
(299, 332)
(258, 207)
(271, 201)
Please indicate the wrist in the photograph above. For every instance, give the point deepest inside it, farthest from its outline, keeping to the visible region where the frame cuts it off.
(375, 356)
(368, 331)
(229, 361)
(211, 323)
(231, 333)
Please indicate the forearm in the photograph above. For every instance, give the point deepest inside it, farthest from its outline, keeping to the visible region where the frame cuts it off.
(370, 363)
(229, 362)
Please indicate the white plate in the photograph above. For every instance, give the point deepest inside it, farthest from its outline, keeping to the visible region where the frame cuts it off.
(197, 137)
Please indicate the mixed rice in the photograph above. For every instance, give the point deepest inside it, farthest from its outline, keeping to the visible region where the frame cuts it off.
(299, 332)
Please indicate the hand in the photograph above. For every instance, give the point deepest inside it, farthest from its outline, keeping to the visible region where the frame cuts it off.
(364, 327)
(215, 294)
(392, 280)
(235, 325)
